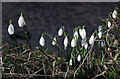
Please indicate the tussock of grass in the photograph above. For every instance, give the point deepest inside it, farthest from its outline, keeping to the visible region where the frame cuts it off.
(96, 62)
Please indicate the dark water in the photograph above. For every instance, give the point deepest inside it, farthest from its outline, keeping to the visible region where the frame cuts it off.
(49, 17)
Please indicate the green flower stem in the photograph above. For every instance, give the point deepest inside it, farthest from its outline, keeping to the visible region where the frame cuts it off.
(59, 48)
(27, 39)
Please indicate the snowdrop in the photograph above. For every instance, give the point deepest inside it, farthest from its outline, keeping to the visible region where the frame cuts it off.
(11, 29)
(109, 24)
(54, 41)
(100, 28)
(100, 34)
(83, 33)
(80, 31)
(21, 21)
(73, 42)
(86, 45)
(70, 62)
(76, 35)
(42, 41)
(92, 39)
(66, 42)
(79, 57)
(114, 14)
(60, 32)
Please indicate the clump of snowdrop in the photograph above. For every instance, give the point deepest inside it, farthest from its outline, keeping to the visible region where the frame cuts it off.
(114, 14)
(54, 41)
(109, 24)
(60, 32)
(11, 28)
(73, 42)
(21, 21)
(70, 62)
(42, 41)
(82, 32)
(65, 42)
(92, 39)
(79, 58)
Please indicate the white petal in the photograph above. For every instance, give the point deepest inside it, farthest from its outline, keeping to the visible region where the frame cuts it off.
(11, 29)
(70, 62)
(100, 34)
(83, 42)
(73, 43)
(86, 45)
(114, 14)
(76, 35)
(21, 21)
(54, 41)
(80, 31)
(109, 24)
(83, 34)
(66, 41)
(91, 40)
(60, 32)
(102, 44)
(79, 58)
(99, 28)
(42, 41)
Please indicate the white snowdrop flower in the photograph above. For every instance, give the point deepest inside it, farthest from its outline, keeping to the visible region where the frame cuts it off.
(60, 32)
(100, 34)
(99, 28)
(79, 57)
(11, 29)
(114, 14)
(80, 31)
(73, 42)
(83, 33)
(86, 45)
(70, 62)
(83, 42)
(92, 39)
(102, 44)
(109, 24)
(76, 35)
(21, 21)
(42, 41)
(54, 41)
(66, 42)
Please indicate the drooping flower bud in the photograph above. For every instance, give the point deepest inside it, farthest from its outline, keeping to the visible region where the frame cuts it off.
(21, 21)
(66, 42)
(92, 39)
(86, 45)
(42, 41)
(54, 41)
(76, 35)
(79, 58)
(100, 28)
(73, 42)
(70, 62)
(83, 33)
(109, 24)
(100, 34)
(11, 29)
(114, 14)
(60, 32)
